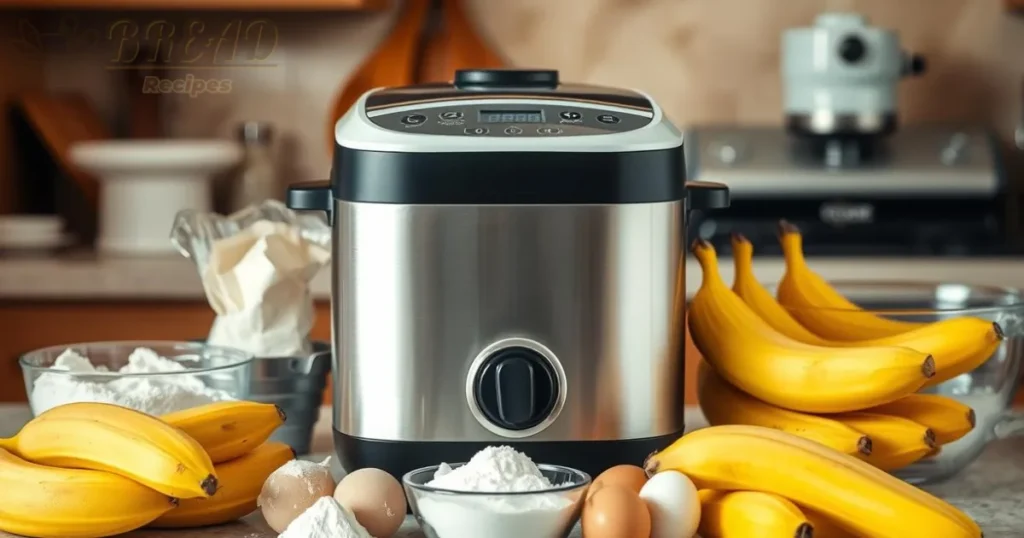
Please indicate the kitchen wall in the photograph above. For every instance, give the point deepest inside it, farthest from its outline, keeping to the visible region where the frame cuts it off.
(704, 60)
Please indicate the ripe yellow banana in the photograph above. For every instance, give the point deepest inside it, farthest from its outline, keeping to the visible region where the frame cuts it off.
(241, 480)
(854, 494)
(48, 502)
(119, 440)
(896, 442)
(819, 307)
(755, 358)
(724, 404)
(948, 418)
(739, 514)
(958, 345)
(227, 430)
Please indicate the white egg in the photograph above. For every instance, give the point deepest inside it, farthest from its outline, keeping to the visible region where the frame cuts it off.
(672, 500)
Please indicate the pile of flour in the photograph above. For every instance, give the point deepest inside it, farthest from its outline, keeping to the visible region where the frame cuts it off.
(493, 469)
(156, 395)
(327, 518)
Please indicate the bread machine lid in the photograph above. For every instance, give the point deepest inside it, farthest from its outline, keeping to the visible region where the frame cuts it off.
(507, 137)
(505, 110)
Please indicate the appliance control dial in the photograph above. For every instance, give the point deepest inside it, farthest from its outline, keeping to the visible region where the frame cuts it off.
(852, 49)
(516, 388)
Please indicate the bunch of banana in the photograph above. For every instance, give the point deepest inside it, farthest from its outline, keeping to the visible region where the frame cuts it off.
(735, 514)
(114, 470)
(235, 435)
(899, 432)
(119, 440)
(849, 494)
(774, 368)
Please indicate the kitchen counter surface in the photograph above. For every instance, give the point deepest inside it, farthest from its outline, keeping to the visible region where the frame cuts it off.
(991, 490)
(91, 277)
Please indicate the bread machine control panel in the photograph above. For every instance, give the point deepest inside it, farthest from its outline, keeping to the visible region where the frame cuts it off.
(508, 103)
(498, 119)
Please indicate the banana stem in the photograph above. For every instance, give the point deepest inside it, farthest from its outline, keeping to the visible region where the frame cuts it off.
(792, 243)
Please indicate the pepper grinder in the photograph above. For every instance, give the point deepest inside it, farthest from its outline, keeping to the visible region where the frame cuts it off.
(257, 178)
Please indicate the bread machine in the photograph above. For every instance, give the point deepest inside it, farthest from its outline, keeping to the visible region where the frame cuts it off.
(508, 269)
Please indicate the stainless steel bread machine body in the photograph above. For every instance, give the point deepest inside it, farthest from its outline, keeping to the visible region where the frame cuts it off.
(508, 269)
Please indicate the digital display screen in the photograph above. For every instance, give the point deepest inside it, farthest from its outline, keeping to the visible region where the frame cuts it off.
(511, 116)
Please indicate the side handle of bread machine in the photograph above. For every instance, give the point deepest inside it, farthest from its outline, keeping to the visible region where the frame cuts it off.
(312, 196)
(705, 195)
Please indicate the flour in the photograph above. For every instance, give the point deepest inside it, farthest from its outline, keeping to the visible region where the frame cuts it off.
(493, 469)
(519, 507)
(325, 519)
(156, 395)
(305, 470)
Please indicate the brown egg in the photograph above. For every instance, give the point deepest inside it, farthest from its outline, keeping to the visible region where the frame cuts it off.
(375, 498)
(615, 512)
(292, 489)
(630, 477)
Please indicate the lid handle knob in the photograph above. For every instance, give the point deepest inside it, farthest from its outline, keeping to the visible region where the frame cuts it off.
(505, 79)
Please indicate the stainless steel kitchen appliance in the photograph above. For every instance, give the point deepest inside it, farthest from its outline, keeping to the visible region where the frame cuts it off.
(842, 168)
(508, 269)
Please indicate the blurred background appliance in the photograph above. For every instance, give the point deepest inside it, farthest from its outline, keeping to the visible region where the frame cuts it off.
(843, 169)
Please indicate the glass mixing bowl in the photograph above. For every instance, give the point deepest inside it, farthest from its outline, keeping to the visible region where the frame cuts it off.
(989, 389)
(550, 513)
(212, 370)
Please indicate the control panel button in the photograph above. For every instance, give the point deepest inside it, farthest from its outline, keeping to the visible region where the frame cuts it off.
(450, 115)
(476, 131)
(513, 130)
(549, 130)
(414, 119)
(608, 118)
(569, 115)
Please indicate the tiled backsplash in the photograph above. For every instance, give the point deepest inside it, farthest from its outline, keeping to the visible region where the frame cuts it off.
(704, 60)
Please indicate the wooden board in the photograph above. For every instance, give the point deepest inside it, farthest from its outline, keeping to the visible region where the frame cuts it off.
(25, 326)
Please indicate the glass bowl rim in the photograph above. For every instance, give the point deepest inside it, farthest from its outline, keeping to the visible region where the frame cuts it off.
(580, 480)
(245, 358)
(991, 291)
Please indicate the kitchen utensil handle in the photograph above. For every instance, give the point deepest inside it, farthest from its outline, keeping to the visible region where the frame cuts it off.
(1010, 425)
(707, 195)
(312, 196)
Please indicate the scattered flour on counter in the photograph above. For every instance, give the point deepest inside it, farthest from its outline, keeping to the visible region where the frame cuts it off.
(325, 519)
(156, 395)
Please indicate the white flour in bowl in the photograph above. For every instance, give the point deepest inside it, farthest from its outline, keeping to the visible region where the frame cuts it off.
(497, 470)
(156, 395)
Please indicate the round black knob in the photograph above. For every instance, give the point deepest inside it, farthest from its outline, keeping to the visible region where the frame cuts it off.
(497, 79)
(915, 65)
(516, 388)
(852, 49)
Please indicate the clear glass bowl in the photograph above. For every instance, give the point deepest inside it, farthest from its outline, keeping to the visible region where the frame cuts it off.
(551, 513)
(215, 371)
(989, 389)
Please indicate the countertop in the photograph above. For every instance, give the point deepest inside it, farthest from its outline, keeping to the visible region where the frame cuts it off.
(991, 490)
(171, 277)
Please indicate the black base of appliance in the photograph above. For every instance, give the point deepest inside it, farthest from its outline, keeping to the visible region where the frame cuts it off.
(400, 457)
